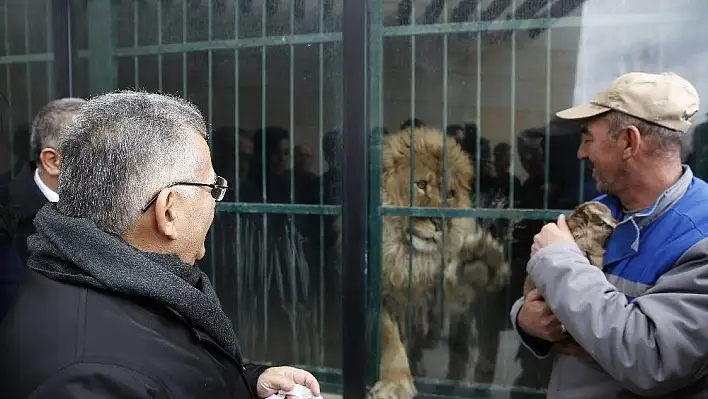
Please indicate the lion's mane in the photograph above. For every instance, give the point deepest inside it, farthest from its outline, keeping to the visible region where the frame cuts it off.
(426, 149)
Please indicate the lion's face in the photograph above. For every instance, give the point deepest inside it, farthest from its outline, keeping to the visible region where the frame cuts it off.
(425, 183)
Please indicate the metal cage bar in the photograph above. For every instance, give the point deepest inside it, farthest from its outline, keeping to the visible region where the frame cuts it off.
(354, 193)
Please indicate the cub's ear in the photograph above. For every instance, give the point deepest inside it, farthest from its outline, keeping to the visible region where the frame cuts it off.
(608, 220)
(396, 148)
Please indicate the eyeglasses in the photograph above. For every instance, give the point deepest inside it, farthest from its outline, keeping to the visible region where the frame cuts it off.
(218, 190)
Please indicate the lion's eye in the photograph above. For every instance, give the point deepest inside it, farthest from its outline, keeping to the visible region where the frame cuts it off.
(422, 184)
(451, 194)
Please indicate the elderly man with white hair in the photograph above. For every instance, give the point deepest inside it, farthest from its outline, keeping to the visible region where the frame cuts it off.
(113, 304)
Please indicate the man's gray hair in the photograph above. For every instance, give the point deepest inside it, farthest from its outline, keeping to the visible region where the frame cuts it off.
(666, 142)
(50, 121)
(123, 148)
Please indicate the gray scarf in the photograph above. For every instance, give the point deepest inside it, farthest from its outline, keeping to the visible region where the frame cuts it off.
(75, 250)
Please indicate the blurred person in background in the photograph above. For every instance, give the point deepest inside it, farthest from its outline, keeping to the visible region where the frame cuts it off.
(34, 185)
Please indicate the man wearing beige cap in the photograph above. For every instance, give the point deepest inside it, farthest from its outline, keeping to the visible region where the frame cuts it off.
(641, 327)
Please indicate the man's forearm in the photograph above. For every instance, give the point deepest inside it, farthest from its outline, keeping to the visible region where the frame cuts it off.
(540, 348)
(652, 346)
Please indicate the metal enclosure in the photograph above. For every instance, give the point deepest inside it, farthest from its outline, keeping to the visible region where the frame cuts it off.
(304, 90)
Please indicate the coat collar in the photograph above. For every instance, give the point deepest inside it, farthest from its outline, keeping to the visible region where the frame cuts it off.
(625, 239)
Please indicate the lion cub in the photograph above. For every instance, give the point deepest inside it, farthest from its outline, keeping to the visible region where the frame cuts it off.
(591, 224)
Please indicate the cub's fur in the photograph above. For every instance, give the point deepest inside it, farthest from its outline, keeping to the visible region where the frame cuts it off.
(591, 224)
(468, 260)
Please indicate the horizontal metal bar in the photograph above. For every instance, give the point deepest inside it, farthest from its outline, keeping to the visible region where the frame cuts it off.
(331, 381)
(297, 209)
(255, 42)
(409, 30)
(545, 23)
(482, 213)
(23, 58)
(429, 388)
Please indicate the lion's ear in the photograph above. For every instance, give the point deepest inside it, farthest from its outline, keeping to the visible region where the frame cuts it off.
(608, 220)
(396, 148)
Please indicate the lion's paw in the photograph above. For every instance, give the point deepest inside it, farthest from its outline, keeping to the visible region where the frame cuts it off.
(390, 389)
(482, 262)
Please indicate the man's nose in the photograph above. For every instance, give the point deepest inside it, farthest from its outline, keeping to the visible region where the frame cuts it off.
(582, 154)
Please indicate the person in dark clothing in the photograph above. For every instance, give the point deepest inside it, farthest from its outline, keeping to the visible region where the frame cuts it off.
(37, 181)
(34, 185)
(8, 224)
(113, 303)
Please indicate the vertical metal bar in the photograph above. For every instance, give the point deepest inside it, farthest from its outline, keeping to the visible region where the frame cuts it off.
(320, 133)
(409, 310)
(62, 46)
(375, 118)
(159, 43)
(291, 219)
(478, 104)
(242, 247)
(512, 167)
(184, 54)
(512, 130)
(8, 81)
(210, 117)
(547, 150)
(236, 184)
(28, 77)
(444, 182)
(583, 93)
(264, 177)
(136, 31)
(102, 65)
(354, 192)
(49, 66)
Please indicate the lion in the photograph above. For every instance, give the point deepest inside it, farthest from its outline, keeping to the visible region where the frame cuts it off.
(591, 224)
(468, 260)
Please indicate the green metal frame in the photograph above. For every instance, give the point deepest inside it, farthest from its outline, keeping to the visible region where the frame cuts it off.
(27, 58)
(102, 77)
(102, 57)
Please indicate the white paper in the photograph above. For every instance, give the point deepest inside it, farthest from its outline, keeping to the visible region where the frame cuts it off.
(299, 392)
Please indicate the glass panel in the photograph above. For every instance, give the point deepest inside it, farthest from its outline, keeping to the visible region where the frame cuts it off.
(495, 85)
(265, 75)
(26, 81)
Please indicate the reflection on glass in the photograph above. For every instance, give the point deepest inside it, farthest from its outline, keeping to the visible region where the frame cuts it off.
(495, 89)
(272, 97)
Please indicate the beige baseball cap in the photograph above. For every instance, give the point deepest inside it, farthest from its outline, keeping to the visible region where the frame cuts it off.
(664, 99)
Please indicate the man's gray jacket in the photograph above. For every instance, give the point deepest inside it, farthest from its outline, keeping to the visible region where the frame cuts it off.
(644, 321)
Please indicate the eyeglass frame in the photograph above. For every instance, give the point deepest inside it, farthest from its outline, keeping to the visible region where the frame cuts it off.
(220, 186)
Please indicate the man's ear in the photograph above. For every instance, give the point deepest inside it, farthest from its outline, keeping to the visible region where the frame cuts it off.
(166, 213)
(633, 141)
(49, 161)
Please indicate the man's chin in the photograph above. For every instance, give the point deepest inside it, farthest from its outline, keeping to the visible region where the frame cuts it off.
(200, 255)
(601, 188)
